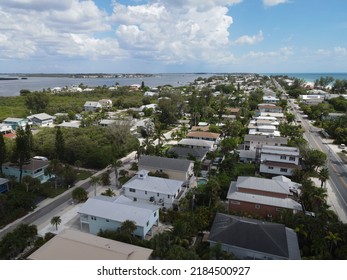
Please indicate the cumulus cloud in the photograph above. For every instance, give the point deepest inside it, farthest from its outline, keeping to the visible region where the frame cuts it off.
(270, 3)
(172, 34)
(250, 40)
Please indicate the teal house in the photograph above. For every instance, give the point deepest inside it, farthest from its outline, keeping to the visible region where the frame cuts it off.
(16, 122)
(35, 169)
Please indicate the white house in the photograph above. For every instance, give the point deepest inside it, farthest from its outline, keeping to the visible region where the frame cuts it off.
(177, 169)
(154, 190)
(5, 128)
(106, 103)
(92, 106)
(41, 119)
(270, 99)
(279, 160)
(197, 144)
(108, 213)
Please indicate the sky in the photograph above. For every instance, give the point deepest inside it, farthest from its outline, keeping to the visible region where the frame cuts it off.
(173, 36)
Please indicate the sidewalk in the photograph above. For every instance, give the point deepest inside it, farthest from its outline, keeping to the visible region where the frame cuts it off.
(70, 211)
(332, 200)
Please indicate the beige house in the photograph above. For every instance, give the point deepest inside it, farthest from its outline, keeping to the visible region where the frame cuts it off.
(77, 245)
(177, 169)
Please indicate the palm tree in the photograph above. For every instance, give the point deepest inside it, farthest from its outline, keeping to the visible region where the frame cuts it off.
(323, 175)
(94, 181)
(109, 192)
(116, 164)
(55, 221)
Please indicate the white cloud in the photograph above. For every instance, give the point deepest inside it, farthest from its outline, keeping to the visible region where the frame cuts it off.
(270, 3)
(340, 51)
(172, 34)
(250, 40)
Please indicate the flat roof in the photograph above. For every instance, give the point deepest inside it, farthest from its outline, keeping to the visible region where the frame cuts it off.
(77, 245)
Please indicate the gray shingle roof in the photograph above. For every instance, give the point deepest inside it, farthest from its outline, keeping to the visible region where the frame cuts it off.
(183, 152)
(251, 234)
(164, 163)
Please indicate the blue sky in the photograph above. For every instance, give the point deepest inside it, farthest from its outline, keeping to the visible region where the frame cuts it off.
(156, 36)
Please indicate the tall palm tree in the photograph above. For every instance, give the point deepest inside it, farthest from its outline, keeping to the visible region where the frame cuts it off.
(323, 175)
(116, 164)
(55, 221)
(94, 181)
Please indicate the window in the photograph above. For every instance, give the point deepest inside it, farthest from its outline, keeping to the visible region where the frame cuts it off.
(145, 192)
(234, 202)
(158, 194)
(278, 209)
(147, 223)
(257, 206)
(135, 199)
(155, 214)
(291, 158)
(270, 167)
(93, 218)
(132, 190)
(168, 196)
(107, 220)
(284, 170)
(283, 157)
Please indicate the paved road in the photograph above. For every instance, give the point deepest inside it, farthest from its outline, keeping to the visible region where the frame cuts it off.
(337, 169)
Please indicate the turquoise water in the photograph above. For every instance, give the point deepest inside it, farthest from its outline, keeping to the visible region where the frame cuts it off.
(201, 181)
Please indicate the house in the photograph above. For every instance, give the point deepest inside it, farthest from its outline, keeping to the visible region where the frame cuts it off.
(197, 144)
(269, 108)
(252, 143)
(35, 169)
(202, 135)
(254, 239)
(108, 213)
(334, 116)
(76, 245)
(91, 106)
(177, 169)
(106, 103)
(264, 197)
(270, 99)
(5, 128)
(4, 185)
(154, 190)
(41, 119)
(188, 153)
(70, 124)
(263, 125)
(279, 160)
(279, 116)
(16, 122)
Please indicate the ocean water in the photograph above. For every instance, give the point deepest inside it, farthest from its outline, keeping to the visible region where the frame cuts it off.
(13, 87)
(311, 77)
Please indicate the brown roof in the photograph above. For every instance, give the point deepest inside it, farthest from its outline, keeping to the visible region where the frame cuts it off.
(34, 164)
(281, 164)
(203, 134)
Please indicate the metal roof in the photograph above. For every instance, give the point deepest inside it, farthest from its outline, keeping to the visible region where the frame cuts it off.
(154, 184)
(118, 209)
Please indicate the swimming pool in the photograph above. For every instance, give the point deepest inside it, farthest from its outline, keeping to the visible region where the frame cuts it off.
(201, 181)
